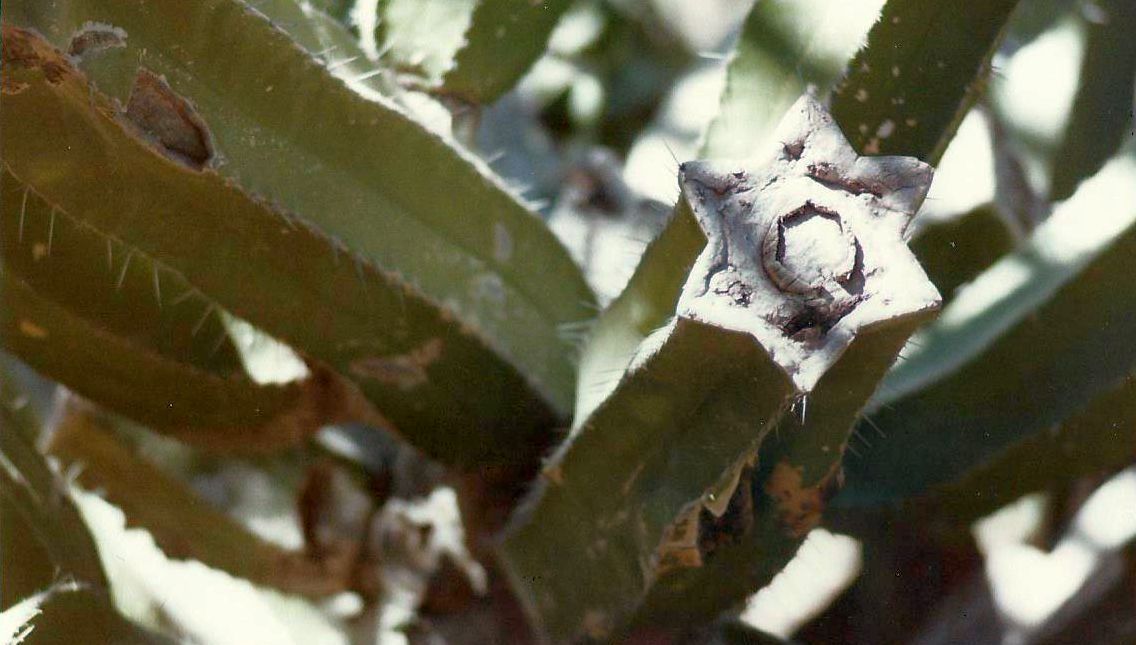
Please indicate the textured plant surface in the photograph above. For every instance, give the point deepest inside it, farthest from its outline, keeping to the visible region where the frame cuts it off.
(302, 336)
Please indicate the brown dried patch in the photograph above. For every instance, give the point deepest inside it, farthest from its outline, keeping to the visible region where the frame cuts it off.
(799, 509)
(169, 120)
(404, 371)
(335, 514)
(25, 49)
(96, 37)
(678, 548)
(324, 398)
(716, 532)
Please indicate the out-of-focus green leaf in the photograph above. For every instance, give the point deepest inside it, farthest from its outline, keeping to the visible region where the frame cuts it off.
(1099, 439)
(784, 49)
(1102, 113)
(41, 498)
(635, 59)
(183, 525)
(953, 252)
(40, 494)
(925, 64)
(409, 354)
(504, 39)
(1053, 319)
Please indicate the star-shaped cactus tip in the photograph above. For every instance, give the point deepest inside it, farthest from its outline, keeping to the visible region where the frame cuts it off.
(807, 247)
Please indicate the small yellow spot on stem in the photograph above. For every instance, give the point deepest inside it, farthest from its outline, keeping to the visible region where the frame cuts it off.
(799, 509)
(32, 330)
(39, 251)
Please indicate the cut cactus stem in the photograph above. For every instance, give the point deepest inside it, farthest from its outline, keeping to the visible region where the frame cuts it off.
(804, 253)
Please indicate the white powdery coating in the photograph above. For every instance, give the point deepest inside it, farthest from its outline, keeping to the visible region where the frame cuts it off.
(736, 282)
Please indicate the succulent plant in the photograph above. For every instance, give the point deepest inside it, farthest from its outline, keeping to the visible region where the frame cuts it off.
(187, 183)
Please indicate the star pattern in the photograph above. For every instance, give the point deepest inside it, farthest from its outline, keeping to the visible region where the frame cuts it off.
(806, 247)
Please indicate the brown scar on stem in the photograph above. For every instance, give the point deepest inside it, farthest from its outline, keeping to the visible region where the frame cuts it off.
(94, 38)
(321, 399)
(678, 548)
(169, 120)
(405, 371)
(26, 49)
(799, 508)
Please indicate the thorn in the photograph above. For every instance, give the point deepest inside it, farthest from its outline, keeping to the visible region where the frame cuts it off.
(217, 343)
(367, 75)
(184, 296)
(23, 210)
(673, 155)
(362, 278)
(876, 426)
(110, 256)
(324, 52)
(804, 407)
(201, 321)
(122, 273)
(856, 433)
(853, 450)
(495, 157)
(340, 63)
(50, 231)
(157, 286)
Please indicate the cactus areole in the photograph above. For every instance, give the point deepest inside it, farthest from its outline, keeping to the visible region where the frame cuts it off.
(805, 247)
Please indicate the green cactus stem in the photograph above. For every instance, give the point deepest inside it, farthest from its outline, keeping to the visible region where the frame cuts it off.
(803, 264)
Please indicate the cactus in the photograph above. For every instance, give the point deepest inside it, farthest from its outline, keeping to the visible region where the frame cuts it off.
(176, 176)
(681, 416)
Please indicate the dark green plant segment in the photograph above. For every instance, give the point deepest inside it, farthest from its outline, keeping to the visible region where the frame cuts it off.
(484, 257)
(925, 64)
(41, 497)
(221, 413)
(482, 69)
(1099, 439)
(955, 251)
(646, 456)
(175, 366)
(1055, 318)
(761, 322)
(109, 283)
(798, 472)
(268, 267)
(783, 49)
(183, 525)
(1102, 112)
